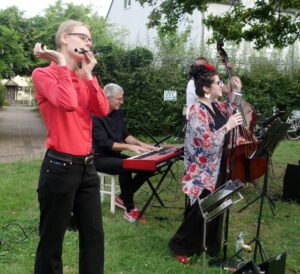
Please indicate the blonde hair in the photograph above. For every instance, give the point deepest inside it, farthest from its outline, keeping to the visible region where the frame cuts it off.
(67, 27)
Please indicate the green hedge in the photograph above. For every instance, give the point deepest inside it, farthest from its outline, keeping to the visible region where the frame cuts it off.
(271, 87)
(2, 94)
(144, 81)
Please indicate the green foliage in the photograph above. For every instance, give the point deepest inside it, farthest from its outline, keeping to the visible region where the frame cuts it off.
(12, 55)
(266, 23)
(2, 94)
(137, 58)
(144, 102)
(18, 35)
(271, 88)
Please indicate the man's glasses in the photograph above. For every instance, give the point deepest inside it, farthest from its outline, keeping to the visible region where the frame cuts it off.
(121, 100)
(82, 36)
(219, 83)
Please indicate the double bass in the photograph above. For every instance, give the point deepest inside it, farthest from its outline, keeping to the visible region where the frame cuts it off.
(241, 165)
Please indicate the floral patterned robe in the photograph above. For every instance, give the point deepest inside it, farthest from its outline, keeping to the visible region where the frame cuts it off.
(202, 150)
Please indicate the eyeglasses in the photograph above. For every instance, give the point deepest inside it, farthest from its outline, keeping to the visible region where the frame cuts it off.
(82, 36)
(219, 83)
(121, 100)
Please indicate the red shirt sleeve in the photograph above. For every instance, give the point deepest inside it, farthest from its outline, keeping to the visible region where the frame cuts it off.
(99, 103)
(57, 89)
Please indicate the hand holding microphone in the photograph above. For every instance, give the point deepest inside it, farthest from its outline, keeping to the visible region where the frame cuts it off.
(234, 121)
(236, 101)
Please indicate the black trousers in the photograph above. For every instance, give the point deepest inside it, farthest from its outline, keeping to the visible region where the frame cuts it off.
(128, 184)
(64, 188)
(188, 240)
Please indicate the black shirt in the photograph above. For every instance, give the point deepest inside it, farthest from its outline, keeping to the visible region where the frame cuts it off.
(107, 131)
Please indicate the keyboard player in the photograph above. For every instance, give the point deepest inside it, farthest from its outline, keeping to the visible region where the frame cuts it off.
(110, 138)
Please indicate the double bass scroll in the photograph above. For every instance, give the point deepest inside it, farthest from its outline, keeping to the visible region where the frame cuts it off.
(246, 110)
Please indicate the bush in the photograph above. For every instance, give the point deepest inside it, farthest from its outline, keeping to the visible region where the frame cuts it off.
(272, 88)
(144, 83)
(2, 94)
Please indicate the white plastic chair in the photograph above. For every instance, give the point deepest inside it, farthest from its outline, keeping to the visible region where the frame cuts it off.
(108, 188)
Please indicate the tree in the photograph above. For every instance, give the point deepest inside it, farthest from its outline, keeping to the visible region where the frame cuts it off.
(13, 43)
(267, 22)
(12, 59)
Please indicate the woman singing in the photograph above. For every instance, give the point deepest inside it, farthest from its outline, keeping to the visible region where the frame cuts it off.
(206, 141)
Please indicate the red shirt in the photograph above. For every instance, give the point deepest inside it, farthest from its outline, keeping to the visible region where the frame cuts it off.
(67, 103)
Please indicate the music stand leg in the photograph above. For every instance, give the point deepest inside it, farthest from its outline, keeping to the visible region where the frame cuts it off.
(264, 194)
(258, 243)
(257, 238)
(271, 204)
(204, 247)
(225, 242)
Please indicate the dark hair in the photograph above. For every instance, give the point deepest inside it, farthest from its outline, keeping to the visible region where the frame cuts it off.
(203, 77)
(200, 58)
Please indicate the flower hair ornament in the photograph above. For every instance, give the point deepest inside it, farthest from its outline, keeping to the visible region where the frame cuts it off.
(210, 67)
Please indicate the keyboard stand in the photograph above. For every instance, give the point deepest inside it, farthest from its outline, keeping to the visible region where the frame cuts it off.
(155, 192)
(156, 188)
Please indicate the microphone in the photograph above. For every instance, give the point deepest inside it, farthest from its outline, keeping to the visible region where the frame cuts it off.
(83, 51)
(236, 100)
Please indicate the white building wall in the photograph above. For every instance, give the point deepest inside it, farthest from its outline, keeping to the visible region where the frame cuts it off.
(134, 19)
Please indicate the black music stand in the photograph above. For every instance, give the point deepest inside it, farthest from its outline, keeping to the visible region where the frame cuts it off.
(215, 204)
(156, 142)
(275, 134)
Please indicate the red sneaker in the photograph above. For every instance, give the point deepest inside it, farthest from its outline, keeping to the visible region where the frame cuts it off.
(119, 202)
(133, 215)
(183, 259)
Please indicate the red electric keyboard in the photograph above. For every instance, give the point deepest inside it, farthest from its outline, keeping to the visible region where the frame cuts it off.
(153, 160)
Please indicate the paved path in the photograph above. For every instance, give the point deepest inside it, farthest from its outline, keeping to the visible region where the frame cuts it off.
(22, 134)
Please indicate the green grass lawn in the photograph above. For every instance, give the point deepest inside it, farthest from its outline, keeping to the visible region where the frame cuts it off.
(141, 248)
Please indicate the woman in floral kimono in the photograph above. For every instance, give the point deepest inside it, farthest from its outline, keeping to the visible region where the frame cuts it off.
(206, 141)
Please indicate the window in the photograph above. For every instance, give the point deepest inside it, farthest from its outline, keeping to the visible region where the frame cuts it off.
(127, 4)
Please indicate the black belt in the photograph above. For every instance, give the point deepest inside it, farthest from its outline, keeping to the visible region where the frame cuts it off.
(81, 160)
